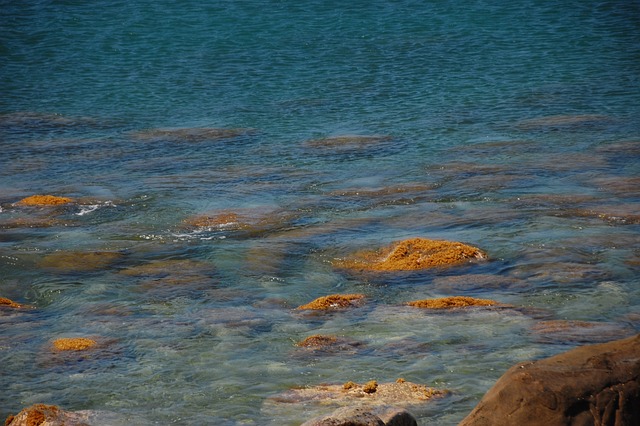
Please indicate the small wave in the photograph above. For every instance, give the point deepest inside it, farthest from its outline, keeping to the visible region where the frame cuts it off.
(86, 209)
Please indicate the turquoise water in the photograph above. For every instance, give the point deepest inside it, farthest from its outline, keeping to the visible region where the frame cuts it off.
(511, 127)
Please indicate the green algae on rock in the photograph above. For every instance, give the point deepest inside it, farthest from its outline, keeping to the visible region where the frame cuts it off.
(412, 254)
(333, 301)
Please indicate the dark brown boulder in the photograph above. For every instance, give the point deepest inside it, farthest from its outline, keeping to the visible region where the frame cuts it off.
(589, 385)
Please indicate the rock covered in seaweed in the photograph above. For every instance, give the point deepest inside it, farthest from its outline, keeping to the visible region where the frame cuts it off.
(452, 302)
(8, 303)
(73, 344)
(44, 200)
(333, 301)
(320, 344)
(412, 254)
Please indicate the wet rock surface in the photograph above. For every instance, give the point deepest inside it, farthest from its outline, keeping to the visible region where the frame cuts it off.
(360, 416)
(412, 254)
(590, 385)
(454, 302)
(333, 301)
(401, 393)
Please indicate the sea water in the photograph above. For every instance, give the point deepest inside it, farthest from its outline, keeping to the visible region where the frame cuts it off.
(511, 127)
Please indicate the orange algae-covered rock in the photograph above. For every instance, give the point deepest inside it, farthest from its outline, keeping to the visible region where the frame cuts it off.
(74, 344)
(47, 415)
(412, 254)
(317, 340)
(333, 301)
(452, 302)
(44, 200)
(8, 303)
(33, 416)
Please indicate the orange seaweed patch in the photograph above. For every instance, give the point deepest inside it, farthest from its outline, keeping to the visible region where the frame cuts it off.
(317, 340)
(44, 200)
(412, 254)
(332, 301)
(73, 344)
(9, 303)
(370, 387)
(452, 302)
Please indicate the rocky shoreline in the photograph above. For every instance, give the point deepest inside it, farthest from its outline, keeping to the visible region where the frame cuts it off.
(589, 385)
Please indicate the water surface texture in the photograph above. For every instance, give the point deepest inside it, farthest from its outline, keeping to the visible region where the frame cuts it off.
(305, 131)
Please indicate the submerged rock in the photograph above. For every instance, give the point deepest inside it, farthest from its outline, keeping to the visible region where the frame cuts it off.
(319, 344)
(195, 134)
(571, 122)
(590, 385)
(571, 331)
(44, 200)
(346, 141)
(401, 393)
(412, 254)
(333, 301)
(452, 302)
(75, 261)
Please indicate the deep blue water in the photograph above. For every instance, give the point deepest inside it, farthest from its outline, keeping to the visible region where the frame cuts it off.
(512, 127)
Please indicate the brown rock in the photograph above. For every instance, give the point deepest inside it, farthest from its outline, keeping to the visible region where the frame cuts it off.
(451, 302)
(400, 393)
(44, 200)
(361, 416)
(412, 254)
(590, 385)
(75, 261)
(315, 341)
(46, 415)
(333, 301)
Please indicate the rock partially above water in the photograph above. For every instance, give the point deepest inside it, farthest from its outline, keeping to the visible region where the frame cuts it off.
(45, 415)
(412, 254)
(333, 301)
(452, 302)
(590, 385)
(401, 393)
(44, 200)
(361, 416)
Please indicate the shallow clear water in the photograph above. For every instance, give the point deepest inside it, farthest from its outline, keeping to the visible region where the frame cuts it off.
(513, 128)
